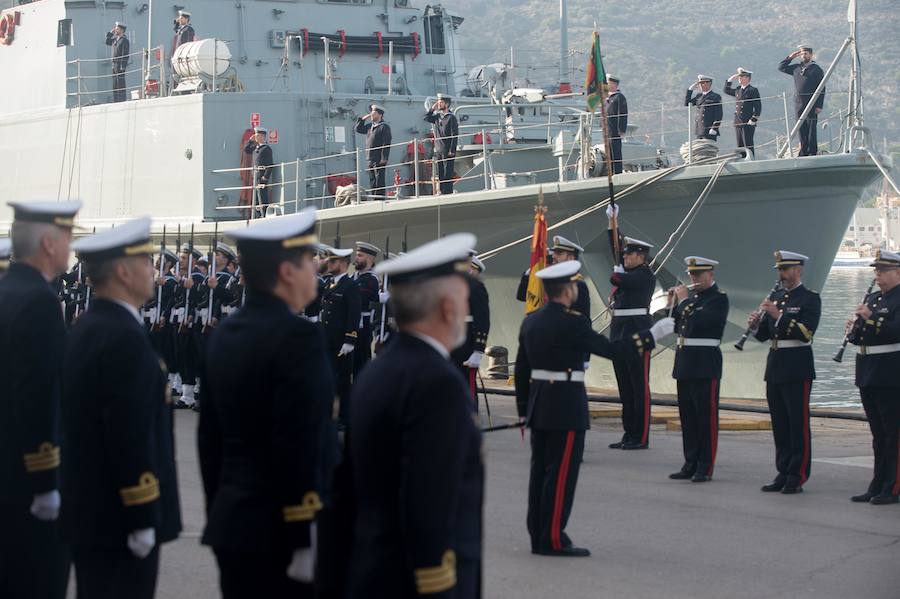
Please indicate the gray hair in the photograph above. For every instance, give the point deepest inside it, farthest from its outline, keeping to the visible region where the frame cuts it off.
(415, 302)
(26, 237)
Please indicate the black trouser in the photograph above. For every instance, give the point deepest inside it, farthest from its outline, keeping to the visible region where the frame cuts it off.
(882, 405)
(376, 179)
(809, 144)
(187, 354)
(363, 352)
(115, 573)
(334, 530)
(555, 460)
(243, 575)
(342, 367)
(698, 407)
(789, 409)
(468, 578)
(34, 564)
(444, 172)
(744, 134)
(118, 81)
(262, 198)
(633, 378)
(615, 151)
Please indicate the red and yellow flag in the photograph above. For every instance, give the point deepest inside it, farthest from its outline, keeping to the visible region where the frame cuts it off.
(534, 296)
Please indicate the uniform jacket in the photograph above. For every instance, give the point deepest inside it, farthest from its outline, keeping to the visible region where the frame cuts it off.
(748, 106)
(479, 322)
(709, 111)
(446, 130)
(121, 47)
(378, 138)
(368, 285)
(118, 474)
(801, 310)
(417, 468)
(32, 342)
(183, 34)
(701, 315)
(262, 157)
(616, 114)
(314, 309)
(806, 79)
(882, 328)
(340, 313)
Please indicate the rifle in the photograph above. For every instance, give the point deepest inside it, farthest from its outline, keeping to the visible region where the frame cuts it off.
(839, 356)
(384, 286)
(212, 273)
(159, 285)
(190, 275)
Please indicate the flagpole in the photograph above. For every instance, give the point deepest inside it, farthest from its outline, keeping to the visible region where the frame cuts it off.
(609, 167)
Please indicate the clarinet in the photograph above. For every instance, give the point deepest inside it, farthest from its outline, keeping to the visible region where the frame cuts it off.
(839, 356)
(740, 344)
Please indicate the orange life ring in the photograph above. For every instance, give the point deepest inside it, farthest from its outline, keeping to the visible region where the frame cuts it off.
(7, 28)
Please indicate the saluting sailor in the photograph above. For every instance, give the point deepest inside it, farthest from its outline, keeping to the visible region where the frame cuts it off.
(368, 285)
(876, 330)
(552, 401)
(184, 31)
(378, 142)
(747, 108)
(121, 49)
(262, 161)
(709, 108)
(789, 323)
(120, 488)
(446, 134)
(807, 77)
(616, 121)
(32, 342)
(340, 321)
(701, 312)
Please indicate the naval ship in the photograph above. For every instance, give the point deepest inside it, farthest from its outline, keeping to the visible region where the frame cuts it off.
(306, 69)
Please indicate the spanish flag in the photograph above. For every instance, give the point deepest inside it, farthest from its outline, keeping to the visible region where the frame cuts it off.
(534, 296)
(595, 86)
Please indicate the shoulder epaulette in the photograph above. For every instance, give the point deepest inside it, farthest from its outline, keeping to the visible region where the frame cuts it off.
(578, 277)
(573, 312)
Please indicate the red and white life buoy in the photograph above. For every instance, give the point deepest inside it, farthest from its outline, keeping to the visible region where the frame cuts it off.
(7, 28)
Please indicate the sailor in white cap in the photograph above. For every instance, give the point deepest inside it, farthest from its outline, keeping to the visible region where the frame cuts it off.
(415, 447)
(616, 121)
(341, 310)
(184, 31)
(445, 128)
(263, 442)
(378, 141)
(120, 488)
(32, 341)
(747, 108)
(552, 401)
(875, 329)
(468, 356)
(261, 161)
(5, 255)
(369, 288)
(807, 77)
(564, 250)
(709, 108)
(701, 313)
(788, 321)
(121, 48)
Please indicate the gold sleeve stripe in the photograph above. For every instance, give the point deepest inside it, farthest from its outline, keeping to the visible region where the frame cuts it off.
(145, 491)
(304, 512)
(806, 332)
(437, 579)
(46, 458)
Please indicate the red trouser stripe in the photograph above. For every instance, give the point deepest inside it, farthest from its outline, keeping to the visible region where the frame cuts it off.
(713, 425)
(472, 383)
(804, 464)
(555, 524)
(645, 434)
(896, 488)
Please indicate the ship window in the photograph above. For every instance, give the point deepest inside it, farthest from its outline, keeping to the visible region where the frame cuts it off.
(345, 1)
(64, 33)
(851, 227)
(434, 34)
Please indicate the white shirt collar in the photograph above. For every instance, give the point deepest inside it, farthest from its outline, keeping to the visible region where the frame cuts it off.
(337, 278)
(744, 86)
(432, 342)
(131, 310)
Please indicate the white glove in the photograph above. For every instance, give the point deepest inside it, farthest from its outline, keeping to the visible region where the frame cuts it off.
(662, 328)
(46, 506)
(384, 296)
(587, 365)
(619, 268)
(712, 132)
(141, 542)
(474, 360)
(301, 566)
(346, 349)
(612, 211)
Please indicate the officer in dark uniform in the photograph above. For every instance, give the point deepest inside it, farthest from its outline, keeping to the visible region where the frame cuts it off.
(522, 289)
(260, 440)
(378, 141)
(709, 108)
(633, 284)
(616, 121)
(121, 47)
(313, 311)
(262, 166)
(563, 251)
(119, 484)
(552, 401)
(415, 448)
(33, 562)
(747, 108)
(368, 285)
(184, 32)
(876, 330)
(701, 312)
(807, 77)
(468, 356)
(789, 323)
(446, 134)
(5, 255)
(340, 320)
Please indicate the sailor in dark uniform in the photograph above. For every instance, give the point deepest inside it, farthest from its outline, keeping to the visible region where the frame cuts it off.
(876, 330)
(313, 311)
(340, 320)
(616, 121)
(161, 334)
(33, 562)
(383, 324)
(378, 141)
(119, 483)
(552, 401)
(807, 77)
(262, 161)
(184, 314)
(223, 294)
(709, 108)
(184, 31)
(701, 312)
(5, 255)
(260, 441)
(747, 108)
(633, 285)
(789, 323)
(368, 285)
(468, 356)
(522, 289)
(121, 48)
(446, 134)
(564, 251)
(416, 450)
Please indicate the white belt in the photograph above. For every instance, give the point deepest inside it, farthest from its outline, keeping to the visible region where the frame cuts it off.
(576, 376)
(201, 313)
(786, 343)
(868, 350)
(226, 310)
(696, 342)
(312, 318)
(149, 314)
(631, 312)
(177, 314)
(470, 318)
(362, 318)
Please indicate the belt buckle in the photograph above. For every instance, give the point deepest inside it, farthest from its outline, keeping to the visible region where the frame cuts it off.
(864, 350)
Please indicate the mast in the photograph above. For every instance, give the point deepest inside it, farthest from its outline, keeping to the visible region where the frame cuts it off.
(565, 86)
(855, 99)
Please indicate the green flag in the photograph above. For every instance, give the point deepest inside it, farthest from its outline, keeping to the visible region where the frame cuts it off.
(595, 83)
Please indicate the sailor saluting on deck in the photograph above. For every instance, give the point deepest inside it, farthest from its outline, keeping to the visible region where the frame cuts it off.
(747, 108)
(184, 31)
(120, 50)
(446, 132)
(709, 108)
(807, 77)
(262, 162)
(378, 141)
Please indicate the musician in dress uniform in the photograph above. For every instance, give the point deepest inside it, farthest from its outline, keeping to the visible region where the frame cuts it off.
(5, 255)
(747, 108)
(121, 48)
(701, 313)
(416, 449)
(378, 141)
(789, 322)
(616, 121)
(807, 77)
(633, 284)
(184, 31)
(552, 401)
(33, 562)
(118, 477)
(340, 320)
(709, 108)
(876, 330)
(446, 134)
(468, 356)
(368, 285)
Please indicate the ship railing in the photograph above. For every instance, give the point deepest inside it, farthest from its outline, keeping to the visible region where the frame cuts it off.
(90, 81)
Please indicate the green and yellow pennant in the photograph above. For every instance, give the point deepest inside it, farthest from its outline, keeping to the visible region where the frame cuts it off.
(595, 84)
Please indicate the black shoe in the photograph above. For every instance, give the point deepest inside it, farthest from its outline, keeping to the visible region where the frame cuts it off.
(681, 475)
(570, 551)
(182, 405)
(791, 489)
(633, 445)
(864, 498)
(885, 499)
(701, 478)
(196, 406)
(773, 487)
(617, 445)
